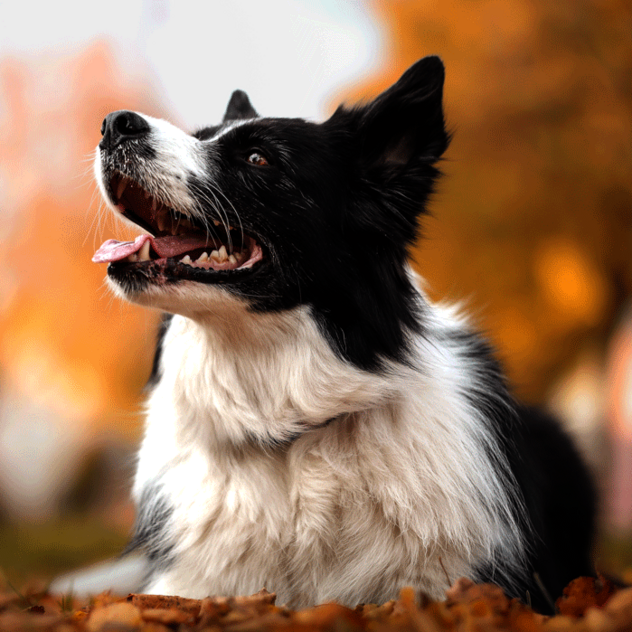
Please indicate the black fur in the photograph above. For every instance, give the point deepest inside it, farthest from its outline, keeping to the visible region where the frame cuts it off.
(355, 184)
(560, 500)
(239, 107)
(152, 518)
(154, 376)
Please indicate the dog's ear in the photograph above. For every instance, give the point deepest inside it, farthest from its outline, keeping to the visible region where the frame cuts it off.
(405, 123)
(239, 107)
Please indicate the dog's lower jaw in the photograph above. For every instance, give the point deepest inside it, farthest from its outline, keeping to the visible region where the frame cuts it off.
(387, 494)
(196, 301)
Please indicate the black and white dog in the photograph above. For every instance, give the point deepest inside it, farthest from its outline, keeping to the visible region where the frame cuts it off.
(315, 425)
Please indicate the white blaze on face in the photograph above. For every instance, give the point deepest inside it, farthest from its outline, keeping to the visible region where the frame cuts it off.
(177, 153)
(177, 156)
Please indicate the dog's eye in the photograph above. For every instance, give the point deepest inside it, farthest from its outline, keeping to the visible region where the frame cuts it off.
(255, 158)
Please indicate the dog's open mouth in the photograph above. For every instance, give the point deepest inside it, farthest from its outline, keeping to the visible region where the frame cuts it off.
(175, 241)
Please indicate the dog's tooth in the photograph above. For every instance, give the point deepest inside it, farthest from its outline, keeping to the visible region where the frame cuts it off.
(161, 221)
(143, 253)
(186, 260)
(232, 259)
(121, 187)
(223, 255)
(203, 257)
(215, 255)
(133, 258)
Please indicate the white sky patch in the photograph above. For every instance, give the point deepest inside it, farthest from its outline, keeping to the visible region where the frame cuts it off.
(290, 56)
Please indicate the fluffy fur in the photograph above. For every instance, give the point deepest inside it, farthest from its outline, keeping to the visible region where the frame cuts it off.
(315, 425)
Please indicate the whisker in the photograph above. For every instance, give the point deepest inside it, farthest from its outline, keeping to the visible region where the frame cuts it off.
(215, 205)
(201, 196)
(232, 206)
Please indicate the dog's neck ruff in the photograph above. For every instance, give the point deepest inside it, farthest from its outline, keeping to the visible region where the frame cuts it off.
(213, 404)
(211, 372)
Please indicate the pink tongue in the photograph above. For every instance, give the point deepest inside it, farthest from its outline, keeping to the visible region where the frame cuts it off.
(113, 250)
(170, 246)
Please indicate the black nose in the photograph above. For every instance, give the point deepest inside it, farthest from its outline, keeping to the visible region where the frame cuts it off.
(120, 126)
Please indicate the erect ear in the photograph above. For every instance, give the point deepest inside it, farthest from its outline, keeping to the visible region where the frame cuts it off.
(405, 123)
(239, 107)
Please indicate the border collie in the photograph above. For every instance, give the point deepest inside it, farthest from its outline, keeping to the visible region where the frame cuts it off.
(316, 425)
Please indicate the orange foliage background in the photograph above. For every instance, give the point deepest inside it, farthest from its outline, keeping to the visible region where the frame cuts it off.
(534, 219)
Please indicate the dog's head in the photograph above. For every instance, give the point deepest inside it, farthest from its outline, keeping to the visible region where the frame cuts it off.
(276, 213)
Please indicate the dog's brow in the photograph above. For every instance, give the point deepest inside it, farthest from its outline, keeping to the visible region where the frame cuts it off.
(228, 128)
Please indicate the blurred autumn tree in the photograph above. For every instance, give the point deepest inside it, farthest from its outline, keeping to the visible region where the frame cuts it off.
(534, 219)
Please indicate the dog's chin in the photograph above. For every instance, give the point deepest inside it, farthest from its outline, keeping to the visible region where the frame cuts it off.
(150, 286)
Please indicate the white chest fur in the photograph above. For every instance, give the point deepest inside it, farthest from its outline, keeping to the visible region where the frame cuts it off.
(386, 495)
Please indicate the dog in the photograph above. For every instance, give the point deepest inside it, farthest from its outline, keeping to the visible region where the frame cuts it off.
(314, 423)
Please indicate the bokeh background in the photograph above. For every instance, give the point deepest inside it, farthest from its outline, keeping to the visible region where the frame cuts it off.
(532, 224)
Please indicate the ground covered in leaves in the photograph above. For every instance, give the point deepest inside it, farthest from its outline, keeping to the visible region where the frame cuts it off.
(588, 605)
